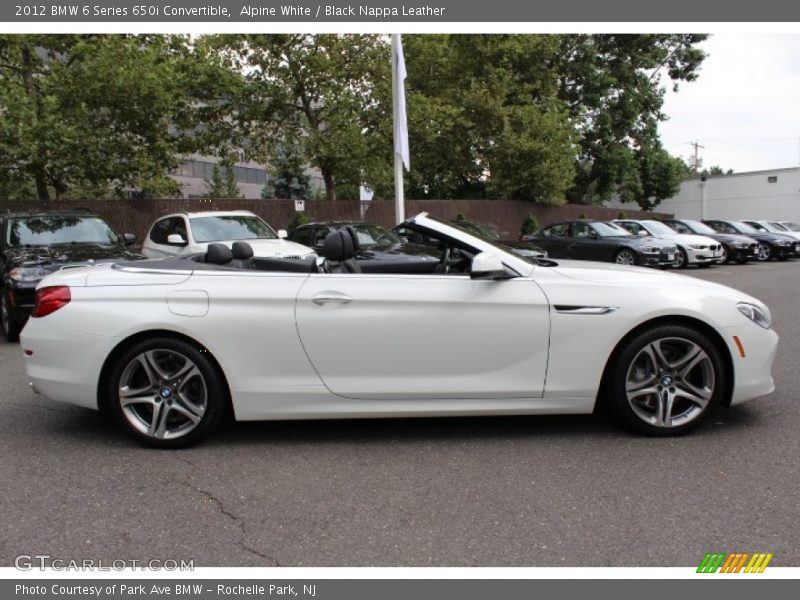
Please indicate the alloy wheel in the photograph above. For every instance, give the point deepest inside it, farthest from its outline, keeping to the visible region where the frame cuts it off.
(162, 394)
(764, 252)
(670, 382)
(625, 257)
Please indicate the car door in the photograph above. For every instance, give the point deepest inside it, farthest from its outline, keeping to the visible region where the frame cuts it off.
(586, 243)
(427, 336)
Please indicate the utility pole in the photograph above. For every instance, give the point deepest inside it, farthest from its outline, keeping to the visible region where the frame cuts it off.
(697, 147)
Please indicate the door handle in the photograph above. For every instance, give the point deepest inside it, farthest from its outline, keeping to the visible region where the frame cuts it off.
(331, 298)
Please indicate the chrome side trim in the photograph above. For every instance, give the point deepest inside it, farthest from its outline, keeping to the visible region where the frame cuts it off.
(584, 310)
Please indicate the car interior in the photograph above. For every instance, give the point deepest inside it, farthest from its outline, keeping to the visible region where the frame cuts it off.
(337, 255)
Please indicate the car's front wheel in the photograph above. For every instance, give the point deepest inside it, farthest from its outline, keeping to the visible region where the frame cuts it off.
(666, 380)
(166, 392)
(764, 252)
(682, 260)
(10, 322)
(625, 257)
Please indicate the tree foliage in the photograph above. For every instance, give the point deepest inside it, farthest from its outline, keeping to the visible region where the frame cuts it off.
(92, 112)
(612, 87)
(287, 176)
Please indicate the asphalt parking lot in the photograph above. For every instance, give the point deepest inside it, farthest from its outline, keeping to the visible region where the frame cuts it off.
(517, 491)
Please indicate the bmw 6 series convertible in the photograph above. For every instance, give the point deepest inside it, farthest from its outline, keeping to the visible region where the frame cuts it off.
(168, 347)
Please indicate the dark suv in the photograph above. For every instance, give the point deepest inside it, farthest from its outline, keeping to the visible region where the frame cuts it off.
(33, 245)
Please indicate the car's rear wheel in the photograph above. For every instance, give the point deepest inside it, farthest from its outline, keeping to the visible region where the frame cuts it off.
(166, 392)
(666, 380)
(625, 257)
(10, 323)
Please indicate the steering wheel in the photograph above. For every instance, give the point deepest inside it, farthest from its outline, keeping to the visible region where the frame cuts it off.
(444, 262)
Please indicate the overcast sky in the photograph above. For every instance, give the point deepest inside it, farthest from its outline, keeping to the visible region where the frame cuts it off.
(745, 106)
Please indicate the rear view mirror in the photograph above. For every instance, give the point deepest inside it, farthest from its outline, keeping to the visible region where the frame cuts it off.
(488, 266)
(176, 239)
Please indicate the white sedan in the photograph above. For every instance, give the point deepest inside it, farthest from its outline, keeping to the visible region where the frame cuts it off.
(169, 346)
(181, 234)
(693, 249)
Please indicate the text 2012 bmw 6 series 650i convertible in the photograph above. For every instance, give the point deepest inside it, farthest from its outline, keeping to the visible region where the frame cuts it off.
(169, 346)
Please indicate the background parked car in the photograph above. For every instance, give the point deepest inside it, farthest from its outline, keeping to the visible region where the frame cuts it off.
(604, 241)
(191, 232)
(33, 245)
(692, 249)
(773, 227)
(735, 247)
(772, 245)
(377, 247)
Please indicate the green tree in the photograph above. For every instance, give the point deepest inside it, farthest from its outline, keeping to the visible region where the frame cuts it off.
(612, 86)
(223, 183)
(287, 177)
(530, 225)
(327, 94)
(485, 119)
(715, 170)
(93, 112)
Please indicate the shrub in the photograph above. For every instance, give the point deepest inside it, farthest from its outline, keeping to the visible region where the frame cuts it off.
(530, 225)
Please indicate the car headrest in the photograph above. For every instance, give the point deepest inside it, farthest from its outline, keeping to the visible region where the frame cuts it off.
(338, 246)
(354, 237)
(218, 254)
(242, 250)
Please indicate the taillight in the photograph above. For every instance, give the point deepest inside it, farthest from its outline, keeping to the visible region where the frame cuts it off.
(50, 299)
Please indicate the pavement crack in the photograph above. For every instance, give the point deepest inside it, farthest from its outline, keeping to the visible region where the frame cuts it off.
(238, 521)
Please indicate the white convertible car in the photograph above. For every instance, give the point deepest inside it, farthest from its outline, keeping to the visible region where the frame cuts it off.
(169, 346)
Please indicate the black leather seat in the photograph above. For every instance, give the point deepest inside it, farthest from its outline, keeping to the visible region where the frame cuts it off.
(338, 251)
(218, 254)
(242, 255)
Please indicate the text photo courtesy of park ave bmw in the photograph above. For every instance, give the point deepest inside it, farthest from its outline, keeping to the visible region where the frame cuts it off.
(428, 299)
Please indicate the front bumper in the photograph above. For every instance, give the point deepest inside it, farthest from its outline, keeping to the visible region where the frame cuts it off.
(749, 252)
(701, 256)
(753, 371)
(21, 297)
(662, 259)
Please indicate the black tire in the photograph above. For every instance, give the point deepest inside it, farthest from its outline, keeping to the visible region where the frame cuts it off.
(166, 357)
(726, 255)
(644, 411)
(765, 252)
(683, 261)
(625, 256)
(10, 323)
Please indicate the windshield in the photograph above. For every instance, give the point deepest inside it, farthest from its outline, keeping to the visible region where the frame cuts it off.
(231, 228)
(790, 225)
(49, 230)
(699, 227)
(610, 229)
(778, 226)
(658, 228)
(476, 230)
(375, 235)
(743, 227)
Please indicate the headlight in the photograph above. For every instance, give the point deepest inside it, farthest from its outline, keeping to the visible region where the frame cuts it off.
(649, 250)
(697, 246)
(741, 244)
(759, 316)
(28, 273)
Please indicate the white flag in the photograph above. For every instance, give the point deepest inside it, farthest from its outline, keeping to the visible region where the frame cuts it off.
(400, 121)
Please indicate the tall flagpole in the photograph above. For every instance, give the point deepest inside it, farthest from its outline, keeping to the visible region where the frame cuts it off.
(401, 154)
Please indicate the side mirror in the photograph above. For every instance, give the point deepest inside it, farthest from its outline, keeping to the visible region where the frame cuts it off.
(176, 239)
(592, 234)
(282, 234)
(641, 233)
(129, 239)
(488, 266)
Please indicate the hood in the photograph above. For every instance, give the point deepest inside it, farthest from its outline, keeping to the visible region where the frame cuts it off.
(732, 238)
(690, 238)
(773, 238)
(282, 248)
(523, 246)
(59, 255)
(639, 277)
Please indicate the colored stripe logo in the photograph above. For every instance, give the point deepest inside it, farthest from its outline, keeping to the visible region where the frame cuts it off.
(736, 562)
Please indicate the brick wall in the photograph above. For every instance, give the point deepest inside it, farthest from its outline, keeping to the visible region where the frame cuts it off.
(505, 216)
